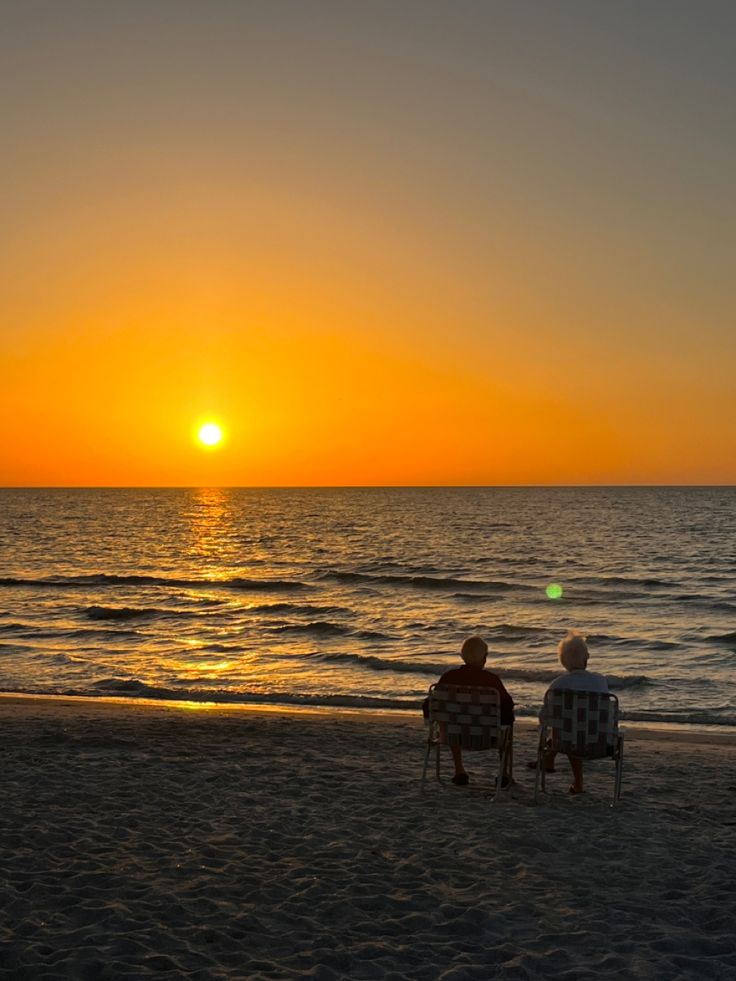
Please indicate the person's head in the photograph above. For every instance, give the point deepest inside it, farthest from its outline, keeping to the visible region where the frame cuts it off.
(573, 651)
(474, 652)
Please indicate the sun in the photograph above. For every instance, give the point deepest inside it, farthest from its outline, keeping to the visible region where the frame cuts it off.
(210, 435)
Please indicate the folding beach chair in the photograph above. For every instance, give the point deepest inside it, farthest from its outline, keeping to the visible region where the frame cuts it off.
(469, 717)
(582, 724)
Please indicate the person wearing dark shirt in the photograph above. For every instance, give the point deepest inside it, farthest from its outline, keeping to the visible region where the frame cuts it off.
(474, 653)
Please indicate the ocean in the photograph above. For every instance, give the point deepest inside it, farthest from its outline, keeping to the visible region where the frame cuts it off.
(360, 598)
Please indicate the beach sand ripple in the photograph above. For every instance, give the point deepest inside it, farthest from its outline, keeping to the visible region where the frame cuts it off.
(156, 842)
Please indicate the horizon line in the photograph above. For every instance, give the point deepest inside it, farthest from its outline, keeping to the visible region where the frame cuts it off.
(510, 486)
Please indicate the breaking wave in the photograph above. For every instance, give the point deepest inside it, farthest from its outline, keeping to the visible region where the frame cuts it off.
(138, 689)
(132, 688)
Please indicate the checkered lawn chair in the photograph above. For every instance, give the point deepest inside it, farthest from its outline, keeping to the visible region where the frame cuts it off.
(469, 717)
(582, 724)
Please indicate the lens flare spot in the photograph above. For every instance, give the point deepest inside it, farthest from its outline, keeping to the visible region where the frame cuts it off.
(554, 591)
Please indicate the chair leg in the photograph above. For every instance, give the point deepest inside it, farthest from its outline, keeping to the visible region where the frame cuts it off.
(424, 769)
(510, 755)
(539, 776)
(617, 761)
(499, 770)
(619, 769)
(504, 755)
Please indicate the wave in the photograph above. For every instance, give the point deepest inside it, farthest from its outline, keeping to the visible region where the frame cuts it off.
(616, 682)
(621, 581)
(33, 632)
(513, 628)
(254, 585)
(424, 582)
(8, 649)
(474, 597)
(306, 608)
(693, 717)
(132, 688)
(723, 638)
(513, 632)
(138, 689)
(105, 579)
(698, 599)
(373, 663)
(216, 648)
(126, 613)
(59, 658)
(596, 597)
(323, 628)
(16, 628)
(636, 643)
(122, 613)
(98, 633)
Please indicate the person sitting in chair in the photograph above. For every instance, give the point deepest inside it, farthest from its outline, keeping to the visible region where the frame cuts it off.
(474, 653)
(573, 653)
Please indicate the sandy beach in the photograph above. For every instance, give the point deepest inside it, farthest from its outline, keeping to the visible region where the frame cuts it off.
(159, 841)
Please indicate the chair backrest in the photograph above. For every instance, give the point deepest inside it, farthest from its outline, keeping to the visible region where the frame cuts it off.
(584, 723)
(466, 716)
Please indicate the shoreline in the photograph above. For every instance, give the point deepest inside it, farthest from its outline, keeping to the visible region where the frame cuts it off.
(634, 731)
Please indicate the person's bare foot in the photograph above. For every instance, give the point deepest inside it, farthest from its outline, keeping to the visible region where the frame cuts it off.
(575, 790)
(461, 780)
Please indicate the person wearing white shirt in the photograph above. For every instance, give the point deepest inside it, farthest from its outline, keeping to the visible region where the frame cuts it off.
(573, 652)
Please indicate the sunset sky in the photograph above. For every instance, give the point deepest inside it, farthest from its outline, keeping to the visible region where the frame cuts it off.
(377, 243)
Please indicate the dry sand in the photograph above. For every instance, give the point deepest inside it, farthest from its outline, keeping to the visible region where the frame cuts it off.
(143, 841)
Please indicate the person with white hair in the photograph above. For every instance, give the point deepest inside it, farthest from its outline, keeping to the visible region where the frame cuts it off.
(474, 653)
(573, 654)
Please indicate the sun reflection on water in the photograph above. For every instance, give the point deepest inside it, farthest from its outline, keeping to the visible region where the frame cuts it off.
(209, 523)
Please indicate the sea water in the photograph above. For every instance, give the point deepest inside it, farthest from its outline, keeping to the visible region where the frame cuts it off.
(362, 597)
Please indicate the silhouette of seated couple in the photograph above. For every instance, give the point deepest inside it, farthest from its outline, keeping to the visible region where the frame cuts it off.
(573, 654)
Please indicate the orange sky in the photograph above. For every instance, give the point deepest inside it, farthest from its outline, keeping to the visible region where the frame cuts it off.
(403, 258)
